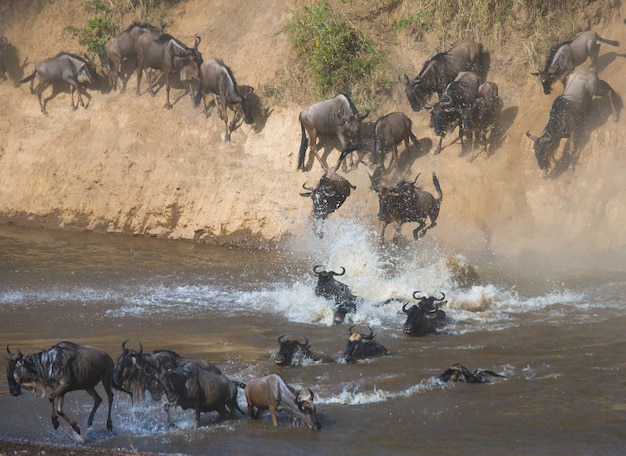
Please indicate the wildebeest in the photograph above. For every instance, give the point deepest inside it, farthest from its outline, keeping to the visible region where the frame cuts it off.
(4, 44)
(122, 46)
(362, 347)
(459, 373)
(64, 367)
(330, 288)
(568, 114)
(441, 70)
(480, 115)
(566, 56)
(165, 53)
(389, 131)
(329, 194)
(424, 317)
(192, 386)
(289, 347)
(407, 203)
(444, 122)
(66, 67)
(270, 392)
(218, 79)
(337, 116)
(136, 371)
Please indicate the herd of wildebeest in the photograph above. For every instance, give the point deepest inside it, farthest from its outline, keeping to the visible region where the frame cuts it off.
(466, 100)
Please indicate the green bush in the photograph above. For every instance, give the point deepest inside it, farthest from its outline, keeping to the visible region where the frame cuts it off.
(338, 56)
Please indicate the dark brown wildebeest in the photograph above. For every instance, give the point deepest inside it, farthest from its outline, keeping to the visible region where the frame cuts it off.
(441, 70)
(459, 373)
(407, 203)
(389, 131)
(424, 317)
(362, 347)
(128, 377)
(272, 393)
(64, 367)
(289, 347)
(568, 114)
(66, 67)
(330, 193)
(218, 79)
(192, 386)
(480, 116)
(330, 288)
(566, 56)
(122, 46)
(444, 122)
(335, 116)
(165, 53)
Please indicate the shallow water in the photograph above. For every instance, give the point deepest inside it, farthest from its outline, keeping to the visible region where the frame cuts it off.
(553, 326)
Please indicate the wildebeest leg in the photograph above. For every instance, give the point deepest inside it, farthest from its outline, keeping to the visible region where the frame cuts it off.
(273, 413)
(149, 78)
(419, 231)
(58, 395)
(343, 142)
(383, 226)
(593, 53)
(168, 105)
(313, 143)
(107, 380)
(438, 150)
(197, 410)
(38, 91)
(606, 90)
(97, 400)
(167, 412)
(396, 235)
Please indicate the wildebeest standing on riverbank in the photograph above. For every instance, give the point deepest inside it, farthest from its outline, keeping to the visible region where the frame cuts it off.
(218, 79)
(66, 67)
(64, 367)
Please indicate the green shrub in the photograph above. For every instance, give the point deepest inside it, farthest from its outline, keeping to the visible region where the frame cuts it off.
(338, 56)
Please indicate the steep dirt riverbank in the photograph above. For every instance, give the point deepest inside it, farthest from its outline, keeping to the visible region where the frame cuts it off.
(126, 165)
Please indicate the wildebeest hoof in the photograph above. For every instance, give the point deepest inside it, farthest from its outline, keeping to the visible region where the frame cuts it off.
(76, 428)
(55, 422)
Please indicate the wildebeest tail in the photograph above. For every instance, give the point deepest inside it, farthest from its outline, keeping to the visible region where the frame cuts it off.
(437, 187)
(609, 42)
(304, 143)
(28, 78)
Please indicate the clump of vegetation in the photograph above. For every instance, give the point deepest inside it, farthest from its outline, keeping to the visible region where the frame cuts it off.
(338, 57)
(106, 19)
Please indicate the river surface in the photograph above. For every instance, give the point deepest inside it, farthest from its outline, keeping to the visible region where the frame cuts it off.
(553, 326)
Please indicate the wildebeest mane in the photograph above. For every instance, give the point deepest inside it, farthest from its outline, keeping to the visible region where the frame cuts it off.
(143, 25)
(352, 106)
(552, 53)
(232, 91)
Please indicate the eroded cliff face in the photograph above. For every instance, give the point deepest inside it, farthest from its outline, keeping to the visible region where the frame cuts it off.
(126, 165)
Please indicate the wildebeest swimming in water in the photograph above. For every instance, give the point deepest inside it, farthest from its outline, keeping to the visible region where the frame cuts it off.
(290, 346)
(362, 346)
(459, 373)
(66, 67)
(424, 317)
(330, 288)
(566, 56)
(568, 115)
(64, 367)
(441, 70)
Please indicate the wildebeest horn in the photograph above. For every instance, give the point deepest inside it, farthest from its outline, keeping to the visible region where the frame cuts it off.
(535, 74)
(343, 271)
(197, 41)
(315, 269)
(404, 307)
(370, 336)
(306, 342)
(124, 344)
(350, 329)
(280, 338)
(414, 293)
(534, 138)
(443, 296)
(9, 351)
(140, 349)
(310, 189)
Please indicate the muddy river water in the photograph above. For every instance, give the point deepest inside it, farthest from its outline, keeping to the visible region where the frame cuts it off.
(553, 328)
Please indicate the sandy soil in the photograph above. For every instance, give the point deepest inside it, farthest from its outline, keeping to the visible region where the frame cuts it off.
(126, 165)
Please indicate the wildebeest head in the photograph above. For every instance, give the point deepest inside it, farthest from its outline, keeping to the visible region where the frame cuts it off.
(423, 317)
(16, 371)
(415, 92)
(133, 373)
(243, 107)
(304, 401)
(288, 348)
(544, 148)
(355, 343)
(546, 80)
(329, 288)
